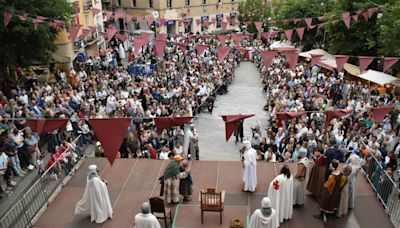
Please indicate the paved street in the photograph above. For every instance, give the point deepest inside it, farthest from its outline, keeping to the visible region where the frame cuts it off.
(245, 97)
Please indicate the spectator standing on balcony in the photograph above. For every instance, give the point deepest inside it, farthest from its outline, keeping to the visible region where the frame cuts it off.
(95, 201)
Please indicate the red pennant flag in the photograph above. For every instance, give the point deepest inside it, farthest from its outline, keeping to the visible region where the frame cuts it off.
(282, 116)
(222, 52)
(315, 59)
(355, 17)
(59, 22)
(258, 25)
(224, 25)
(159, 46)
(167, 122)
(139, 19)
(380, 112)
(162, 36)
(162, 21)
(389, 62)
(145, 35)
(330, 115)
(346, 19)
(36, 125)
(267, 57)
(85, 32)
(121, 37)
(364, 62)
(149, 20)
(237, 38)
(222, 39)
(42, 126)
(198, 22)
(265, 35)
(110, 133)
(230, 123)
(73, 32)
(295, 21)
(365, 15)
(95, 11)
(340, 61)
(292, 57)
(300, 32)
(288, 34)
(320, 26)
(200, 48)
(182, 45)
(308, 21)
(371, 11)
(7, 18)
(312, 27)
(111, 30)
(139, 43)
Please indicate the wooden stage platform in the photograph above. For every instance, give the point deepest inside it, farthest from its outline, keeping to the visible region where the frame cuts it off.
(131, 182)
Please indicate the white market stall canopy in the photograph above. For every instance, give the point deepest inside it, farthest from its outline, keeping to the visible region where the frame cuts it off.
(379, 78)
(327, 60)
(282, 46)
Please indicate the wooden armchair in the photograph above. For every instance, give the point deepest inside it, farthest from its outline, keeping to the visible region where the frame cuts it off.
(212, 201)
(159, 210)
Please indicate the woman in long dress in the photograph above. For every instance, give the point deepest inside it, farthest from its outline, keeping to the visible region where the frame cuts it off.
(343, 207)
(316, 180)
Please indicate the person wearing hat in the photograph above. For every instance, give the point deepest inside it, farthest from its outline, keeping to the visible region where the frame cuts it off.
(95, 201)
(171, 177)
(145, 219)
(299, 181)
(264, 217)
(250, 167)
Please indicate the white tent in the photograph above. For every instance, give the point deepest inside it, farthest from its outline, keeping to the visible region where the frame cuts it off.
(379, 77)
(282, 46)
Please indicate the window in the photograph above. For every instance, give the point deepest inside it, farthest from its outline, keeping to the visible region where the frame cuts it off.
(204, 1)
(151, 5)
(134, 3)
(119, 2)
(187, 2)
(169, 3)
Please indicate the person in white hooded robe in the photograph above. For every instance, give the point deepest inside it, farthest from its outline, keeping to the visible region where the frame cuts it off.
(280, 193)
(250, 167)
(95, 201)
(265, 217)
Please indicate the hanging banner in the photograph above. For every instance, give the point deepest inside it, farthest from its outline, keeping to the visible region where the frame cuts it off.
(159, 48)
(73, 32)
(111, 30)
(267, 57)
(85, 32)
(138, 43)
(145, 35)
(364, 62)
(110, 133)
(181, 45)
(7, 18)
(346, 19)
(149, 20)
(365, 15)
(42, 126)
(224, 25)
(95, 11)
(258, 25)
(265, 35)
(381, 112)
(389, 62)
(371, 11)
(231, 121)
(162, 36)
(330, 115)
(237, 38)
(340, 61)
(292, 57)
(222, 39)
(355, 18)
(222, 52)
(283, 116)
(288, 34)
(201, 48)
(308, 21)
(300, 32)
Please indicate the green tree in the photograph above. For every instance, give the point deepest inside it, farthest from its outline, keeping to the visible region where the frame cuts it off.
(389, 28)
(254, 10)
(292, 9)
(21, 44)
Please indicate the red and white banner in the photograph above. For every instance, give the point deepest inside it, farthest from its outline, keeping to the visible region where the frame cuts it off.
(222, 52)
(201, 48)
(121, 37)
(389, 62)
(291, 57)
(300, 32)
(110, 133)
(355, 18)
(340, 61)
(159, 47)
(371, 11)
(364, 62)
(145, 35)
(267, 57)
(7, 18)
(346, 19)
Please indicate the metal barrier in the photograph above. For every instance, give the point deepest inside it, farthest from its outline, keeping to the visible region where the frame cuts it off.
(384, 186)
(37, 197)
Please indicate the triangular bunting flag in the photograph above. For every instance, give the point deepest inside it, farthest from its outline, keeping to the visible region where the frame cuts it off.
(149, 19)
(346, 19)
(159, 46)
(138, 43)
(230, 123)
(282, 116)
(267, 57)
(121, 37)
(389, 62)
(162, 36)
(7, 18)
(258, 25)
(162, 21)
(145, 35)
(365, 15)
(73, 32)
(85, 32)
(222, 52)
(330, 115)
(139, 19)
(320, 26)
(292, 57)
(181, 45)
(265, 35)
(381, 112)
(224, 25)
(201, 48)
(95, 11)
(110, 133)
(167, 122)
(295, 21)
(129, 18)
(364, 62)
(308, 21)
(355, 18)
(222, 39)
(42, 126)
(111, 30)
(300, 32)
(340, 61)
(371, 11)
(288, 34)
(198, 22)
(237, 38)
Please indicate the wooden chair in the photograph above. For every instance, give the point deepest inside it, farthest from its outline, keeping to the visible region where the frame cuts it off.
(159, 210)
(212, 201)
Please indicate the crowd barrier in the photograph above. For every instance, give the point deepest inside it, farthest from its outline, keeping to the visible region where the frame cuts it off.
(34, 201)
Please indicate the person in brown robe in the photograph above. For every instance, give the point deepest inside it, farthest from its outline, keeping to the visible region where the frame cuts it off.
(329, 201)
(316, 180)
